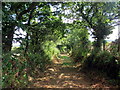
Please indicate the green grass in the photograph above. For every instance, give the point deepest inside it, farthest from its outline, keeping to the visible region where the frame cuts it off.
(67, 61)
(63, 57)
(67, 64)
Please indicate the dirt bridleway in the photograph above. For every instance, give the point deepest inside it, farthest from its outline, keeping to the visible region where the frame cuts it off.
(62, 74)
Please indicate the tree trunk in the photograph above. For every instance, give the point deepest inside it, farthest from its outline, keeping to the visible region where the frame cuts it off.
(98, 43)
(97, 46)
(28, 24)
(104, 42)
(119, 45)
(7, 38)
(103, 46)
(26, 48)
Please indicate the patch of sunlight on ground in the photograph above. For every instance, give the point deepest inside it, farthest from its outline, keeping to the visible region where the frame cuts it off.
(43, 79)
(60, 76)
(51, 69)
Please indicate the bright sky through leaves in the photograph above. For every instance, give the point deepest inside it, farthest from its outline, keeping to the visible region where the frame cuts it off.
(111, 37)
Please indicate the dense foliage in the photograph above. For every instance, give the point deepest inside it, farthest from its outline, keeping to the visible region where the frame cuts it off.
(104, 61)
(48, 33)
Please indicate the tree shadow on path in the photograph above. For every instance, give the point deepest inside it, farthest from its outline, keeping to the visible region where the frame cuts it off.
(63, 73)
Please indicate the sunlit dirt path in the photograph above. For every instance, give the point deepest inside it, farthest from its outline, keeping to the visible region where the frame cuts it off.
(63, 74)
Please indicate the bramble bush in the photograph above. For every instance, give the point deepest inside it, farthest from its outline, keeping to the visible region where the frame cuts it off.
(14, 71)
(37, 61)
(104, 61)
